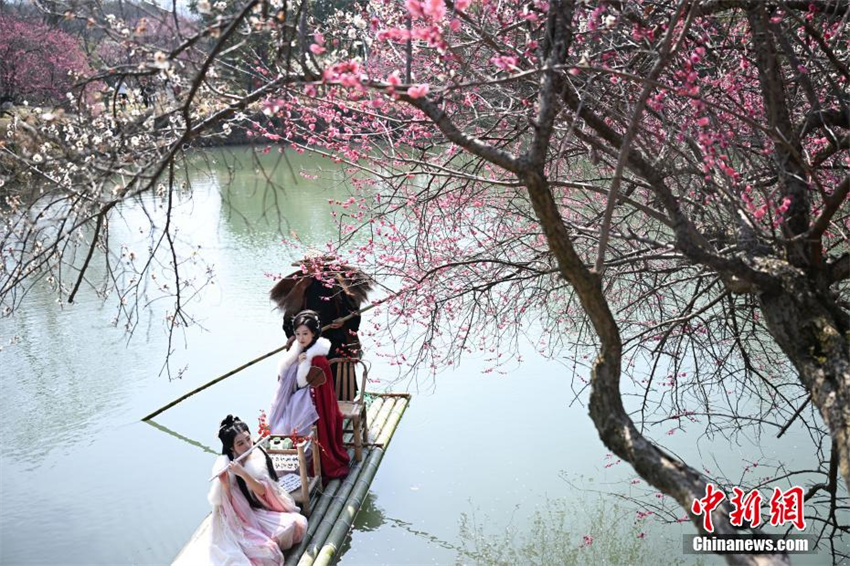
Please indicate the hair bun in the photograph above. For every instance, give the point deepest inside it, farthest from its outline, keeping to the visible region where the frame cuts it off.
(228, 422)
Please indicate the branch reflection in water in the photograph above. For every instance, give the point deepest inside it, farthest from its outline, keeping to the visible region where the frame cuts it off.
(557, 533)
(167, 430)
(565, 531)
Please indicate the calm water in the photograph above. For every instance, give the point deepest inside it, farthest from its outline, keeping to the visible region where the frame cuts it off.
(83, 481)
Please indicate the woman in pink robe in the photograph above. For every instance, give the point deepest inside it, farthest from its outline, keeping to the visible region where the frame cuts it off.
(253, 520)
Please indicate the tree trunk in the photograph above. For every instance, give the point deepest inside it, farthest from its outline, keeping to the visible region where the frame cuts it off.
(616, 429)
(813, 332)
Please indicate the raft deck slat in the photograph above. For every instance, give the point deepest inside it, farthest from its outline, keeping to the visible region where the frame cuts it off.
(325, 499)
(317, 542)
(355, 501)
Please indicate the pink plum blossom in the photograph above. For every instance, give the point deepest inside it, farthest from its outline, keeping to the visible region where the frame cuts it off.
(418, 91)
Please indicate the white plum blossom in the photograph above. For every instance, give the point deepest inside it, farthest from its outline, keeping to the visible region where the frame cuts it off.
(160, 60)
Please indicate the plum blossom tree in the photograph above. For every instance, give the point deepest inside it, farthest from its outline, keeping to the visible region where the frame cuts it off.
(650, 154)
(644, 153)
(38, 63)
(657, 189)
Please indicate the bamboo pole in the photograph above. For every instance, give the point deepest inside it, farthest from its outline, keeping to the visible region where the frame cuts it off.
(385, 426)
(264, 356)
(379, 420)
(330, 490)
(372, 411)
(211, 383)
(381, 417)
(323, 501)
(355, 501)
(392, 421)
(349, 510)
(390, 394)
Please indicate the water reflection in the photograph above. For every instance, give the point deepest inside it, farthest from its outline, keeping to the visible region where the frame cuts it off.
(51, 400)
(370, 516)
(189, 441)
(274, 194)
(75, 387)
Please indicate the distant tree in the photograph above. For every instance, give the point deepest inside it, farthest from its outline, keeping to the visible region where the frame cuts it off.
(38, 63)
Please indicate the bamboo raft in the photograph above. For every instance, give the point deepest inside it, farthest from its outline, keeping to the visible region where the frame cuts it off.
(335, 507)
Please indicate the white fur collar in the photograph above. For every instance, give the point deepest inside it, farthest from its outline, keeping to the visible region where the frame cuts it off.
(320, 348)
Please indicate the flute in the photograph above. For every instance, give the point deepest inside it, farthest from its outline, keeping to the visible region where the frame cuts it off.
(251, 449)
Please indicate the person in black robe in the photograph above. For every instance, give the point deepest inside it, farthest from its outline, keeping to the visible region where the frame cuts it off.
(334, 291)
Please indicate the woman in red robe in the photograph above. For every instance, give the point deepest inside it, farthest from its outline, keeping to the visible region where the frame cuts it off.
(289, 415)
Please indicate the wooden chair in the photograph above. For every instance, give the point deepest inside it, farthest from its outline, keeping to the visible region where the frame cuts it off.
(351, 405)
(294, 460)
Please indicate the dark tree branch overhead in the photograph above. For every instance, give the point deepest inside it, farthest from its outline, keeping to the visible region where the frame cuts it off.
(834, 7)
(473, 145)
(787, 147)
